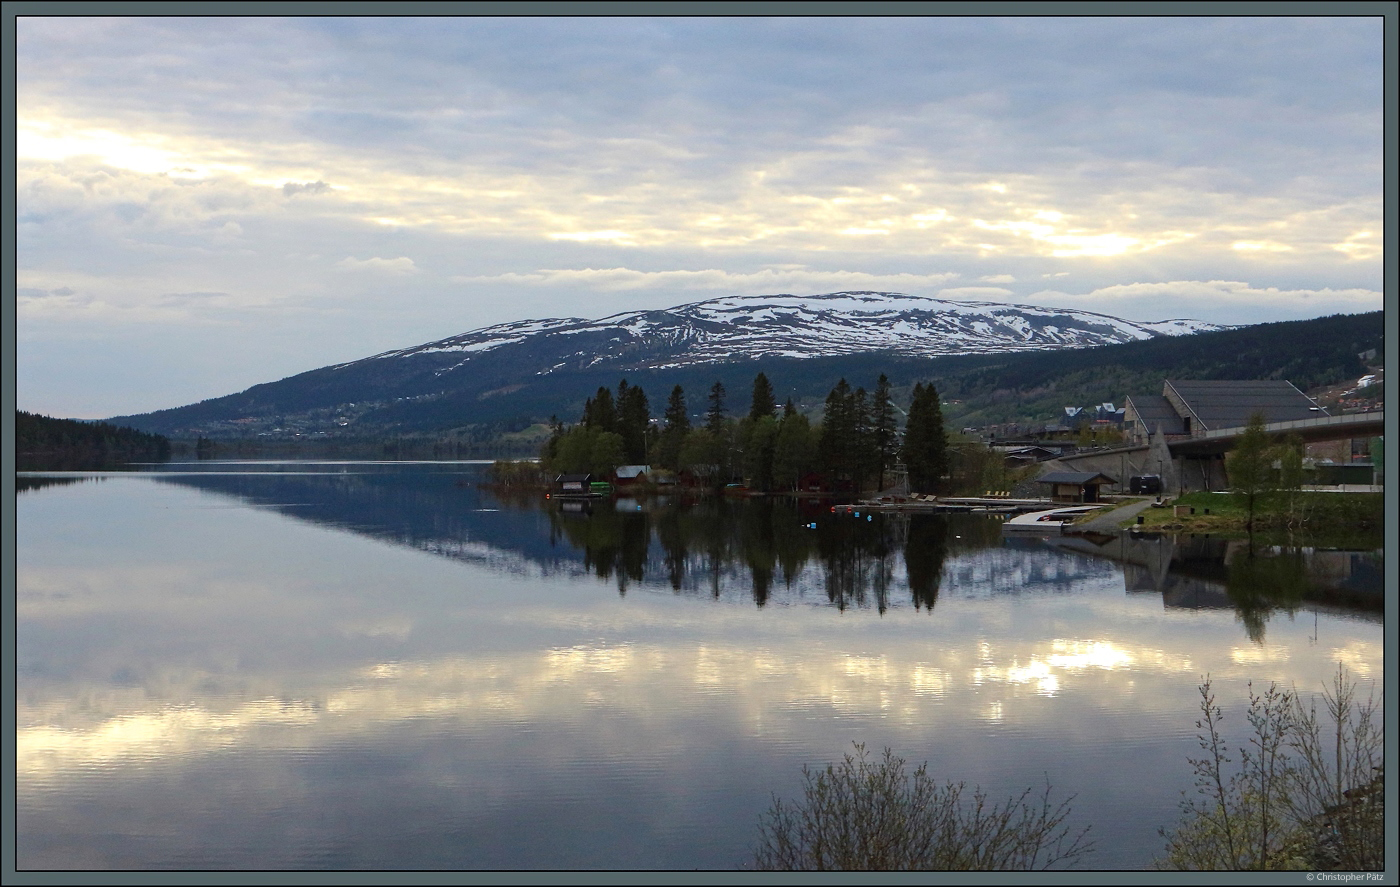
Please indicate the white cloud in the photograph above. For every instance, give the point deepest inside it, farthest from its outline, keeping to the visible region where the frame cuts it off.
(401, 265)
(770, 280)
(293, 188)
(1221, 301)
(975, 293)
(591, 236)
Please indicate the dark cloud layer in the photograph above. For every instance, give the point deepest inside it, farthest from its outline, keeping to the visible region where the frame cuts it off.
(293, 188)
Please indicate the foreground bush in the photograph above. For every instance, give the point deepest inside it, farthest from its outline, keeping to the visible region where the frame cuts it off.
(1308, 794)
(864, 816)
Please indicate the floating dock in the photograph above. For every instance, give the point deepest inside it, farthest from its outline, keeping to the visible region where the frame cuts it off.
(979, 504)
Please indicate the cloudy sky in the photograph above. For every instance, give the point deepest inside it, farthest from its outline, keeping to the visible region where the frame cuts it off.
(209, 203)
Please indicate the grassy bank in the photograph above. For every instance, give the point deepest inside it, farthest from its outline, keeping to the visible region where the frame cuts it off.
(1349, 518)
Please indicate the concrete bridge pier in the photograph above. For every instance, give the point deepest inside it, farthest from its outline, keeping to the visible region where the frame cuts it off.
(1201, 473)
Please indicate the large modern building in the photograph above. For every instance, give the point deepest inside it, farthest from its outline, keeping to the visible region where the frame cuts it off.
(1192, 407)
(1198, 421)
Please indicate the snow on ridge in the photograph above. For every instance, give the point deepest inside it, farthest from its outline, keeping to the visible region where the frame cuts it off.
(1183, 327)
(790, 325)
(478, 340)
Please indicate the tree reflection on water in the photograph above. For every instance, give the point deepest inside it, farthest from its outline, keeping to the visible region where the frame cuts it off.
(771, 540)
(793, 549)
(1259, 583)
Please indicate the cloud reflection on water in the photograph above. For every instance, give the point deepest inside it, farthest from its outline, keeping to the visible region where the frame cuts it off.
(161, 643)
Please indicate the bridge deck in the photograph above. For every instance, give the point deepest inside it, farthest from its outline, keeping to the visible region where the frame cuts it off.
(1348, 425)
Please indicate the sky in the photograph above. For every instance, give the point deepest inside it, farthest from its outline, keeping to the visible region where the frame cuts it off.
(204, 204)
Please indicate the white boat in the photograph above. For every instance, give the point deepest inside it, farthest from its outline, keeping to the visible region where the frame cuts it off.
(1051, 521)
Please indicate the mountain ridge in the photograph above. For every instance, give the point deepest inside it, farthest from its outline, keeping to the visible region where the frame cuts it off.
(459, 381)
(785, 325)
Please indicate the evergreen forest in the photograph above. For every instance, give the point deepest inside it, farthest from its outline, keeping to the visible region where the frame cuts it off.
(856, 445)
(46, 444)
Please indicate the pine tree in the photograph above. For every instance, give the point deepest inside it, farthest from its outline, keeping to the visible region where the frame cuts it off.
(600, 412)
(668, 447)
(677, 419)
(925, 443)
(714, 419)
(863, 456)
(884, 428)
(838, 430)
(762, 403)
(634, 421)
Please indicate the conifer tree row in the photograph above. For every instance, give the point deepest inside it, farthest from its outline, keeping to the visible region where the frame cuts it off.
(854, 447)
(611, 432)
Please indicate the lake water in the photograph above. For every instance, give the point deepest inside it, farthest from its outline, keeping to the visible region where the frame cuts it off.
(380, 666)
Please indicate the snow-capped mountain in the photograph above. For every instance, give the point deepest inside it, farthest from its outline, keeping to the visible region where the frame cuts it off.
(538, 367)
(748, 327)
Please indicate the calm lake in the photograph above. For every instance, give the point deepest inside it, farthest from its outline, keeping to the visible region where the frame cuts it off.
(380, 666)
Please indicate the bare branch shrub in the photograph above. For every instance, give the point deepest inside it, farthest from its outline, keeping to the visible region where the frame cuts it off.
(860, 815)
(1342, 795)
(1307, 794)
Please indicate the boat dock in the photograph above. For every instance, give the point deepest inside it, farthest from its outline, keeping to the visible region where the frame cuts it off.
(980, 504)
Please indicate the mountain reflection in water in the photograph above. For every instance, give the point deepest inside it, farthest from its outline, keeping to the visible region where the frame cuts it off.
(792, 551)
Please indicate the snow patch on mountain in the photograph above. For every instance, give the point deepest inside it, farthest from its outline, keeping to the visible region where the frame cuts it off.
(745, 327)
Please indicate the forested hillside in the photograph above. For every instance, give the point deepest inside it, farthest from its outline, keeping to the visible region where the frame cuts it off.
(1308, 353)
(43, 443)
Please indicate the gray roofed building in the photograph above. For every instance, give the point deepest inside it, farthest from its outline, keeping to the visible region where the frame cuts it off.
(1143, 414)
(1192, 406)
(1214, 404)
(1026, 455)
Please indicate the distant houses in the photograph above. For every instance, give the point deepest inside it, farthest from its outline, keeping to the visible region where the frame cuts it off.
(1051, 434)
(622, 478)
(1104, 414)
